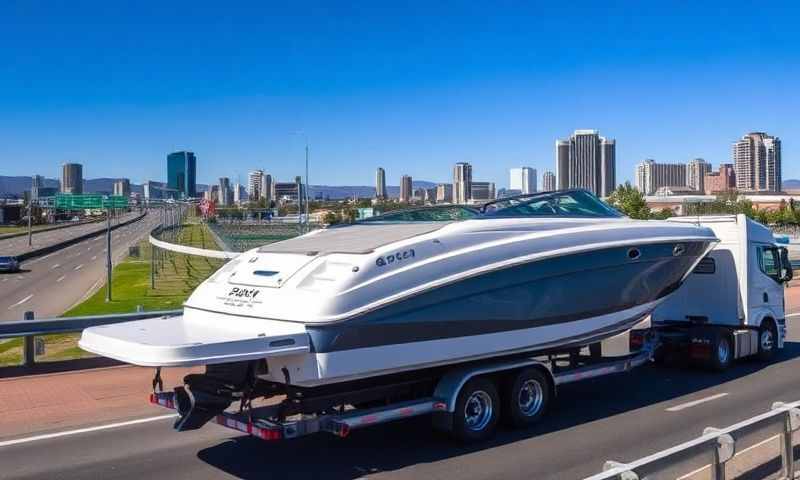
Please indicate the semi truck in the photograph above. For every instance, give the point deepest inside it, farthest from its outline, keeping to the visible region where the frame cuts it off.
(731, 306)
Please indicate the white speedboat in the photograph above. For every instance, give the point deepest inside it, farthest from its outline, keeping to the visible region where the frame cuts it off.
(419, 289)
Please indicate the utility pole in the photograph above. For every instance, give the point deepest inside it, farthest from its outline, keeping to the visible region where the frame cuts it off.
(307, 186)
(108, 253)
(30, 221)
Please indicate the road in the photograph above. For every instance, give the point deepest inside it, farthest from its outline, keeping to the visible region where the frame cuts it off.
(620, 417)
(19, 245)
(51, 284)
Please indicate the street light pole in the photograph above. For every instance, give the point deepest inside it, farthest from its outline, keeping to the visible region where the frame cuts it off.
(108, 254)
(30, 221)
(307, 186)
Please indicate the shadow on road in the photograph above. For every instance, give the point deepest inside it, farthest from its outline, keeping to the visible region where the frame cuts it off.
(401, 444)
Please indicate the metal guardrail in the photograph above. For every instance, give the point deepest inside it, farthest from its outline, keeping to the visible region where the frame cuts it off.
(719, 445)
(30, 327)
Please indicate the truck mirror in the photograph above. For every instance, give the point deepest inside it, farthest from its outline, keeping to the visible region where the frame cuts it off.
(786, 265)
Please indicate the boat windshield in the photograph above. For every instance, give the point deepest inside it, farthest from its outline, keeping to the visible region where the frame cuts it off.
(568, 203)
(446, 213)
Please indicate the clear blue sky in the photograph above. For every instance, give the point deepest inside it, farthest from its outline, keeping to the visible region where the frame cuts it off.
(413, 88)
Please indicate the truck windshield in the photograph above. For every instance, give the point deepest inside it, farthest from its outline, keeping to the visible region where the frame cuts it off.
(571, 203)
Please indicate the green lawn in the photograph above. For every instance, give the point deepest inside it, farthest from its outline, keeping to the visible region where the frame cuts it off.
(177, 276)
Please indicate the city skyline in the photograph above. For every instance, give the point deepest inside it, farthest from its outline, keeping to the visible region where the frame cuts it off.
(482, 89)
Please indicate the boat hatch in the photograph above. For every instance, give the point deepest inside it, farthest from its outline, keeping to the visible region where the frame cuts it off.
(182, 341)
(268, 270)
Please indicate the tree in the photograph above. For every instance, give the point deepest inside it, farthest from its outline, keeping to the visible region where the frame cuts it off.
(629, 201)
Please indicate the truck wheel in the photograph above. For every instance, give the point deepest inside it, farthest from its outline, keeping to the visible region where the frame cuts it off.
(477, 411)
(722, 352)
(767, 340)
(526, 398)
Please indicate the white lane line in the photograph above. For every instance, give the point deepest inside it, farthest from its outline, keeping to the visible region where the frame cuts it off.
(66, 433)
(79, 267)
(682, 406)
(55, 266)
(58, 280)
(94, 258)
(21, 301)
(793, 315)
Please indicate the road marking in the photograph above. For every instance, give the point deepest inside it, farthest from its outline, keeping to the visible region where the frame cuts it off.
(55, 266)
(60, 278)
(682, 406)
(79, 267)
(66, 433)
(21, 301)
(793, 315)
(94, 258)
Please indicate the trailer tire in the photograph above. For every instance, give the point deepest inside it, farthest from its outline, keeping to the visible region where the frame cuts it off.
(767, 340)
(722, 353)
(477, 411)
(527, 397)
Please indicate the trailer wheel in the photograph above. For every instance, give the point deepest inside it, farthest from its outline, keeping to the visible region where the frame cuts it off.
(477, 411)
(722, 353)
(767, 340)
(526, 398)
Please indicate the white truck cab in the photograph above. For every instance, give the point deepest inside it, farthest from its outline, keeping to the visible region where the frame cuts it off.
(735, 292)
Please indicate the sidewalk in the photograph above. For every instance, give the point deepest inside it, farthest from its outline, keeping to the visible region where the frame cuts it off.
(57, 401)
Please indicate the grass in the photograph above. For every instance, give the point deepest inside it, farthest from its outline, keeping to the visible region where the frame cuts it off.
(177, 276)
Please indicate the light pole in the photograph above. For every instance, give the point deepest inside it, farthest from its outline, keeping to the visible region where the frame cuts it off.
(305, 194)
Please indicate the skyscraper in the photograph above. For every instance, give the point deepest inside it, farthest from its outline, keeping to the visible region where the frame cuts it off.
(182, 173)
(696, 171)
(380, 183)
(72, 178)
(225, 191)
(548, 181)
(522, 179)
(482, 191)
(122, 187)
(462, 182)
(587, 160)
(722, 181)
(405, 189)
(650, 176)
(254, 181)
(444, 193)
(240, 194)
(757, 161)
(37, 183)
(267, 188)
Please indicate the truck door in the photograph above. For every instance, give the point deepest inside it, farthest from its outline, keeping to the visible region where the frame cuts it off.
(766, 290)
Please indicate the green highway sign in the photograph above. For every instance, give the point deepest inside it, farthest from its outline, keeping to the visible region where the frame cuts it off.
(115, 201)
(66, 201)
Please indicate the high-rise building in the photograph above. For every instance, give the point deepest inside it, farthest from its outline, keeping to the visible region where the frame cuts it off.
(482, 191)
(523, 179)
(240, 194)
(37, 184)
(182, 173)
(430, 195)
(757, 161)
(548, 181)
(696, 171)
(267, 188)
(286, 191)
(225, 191)
(462, 182)
(380, 183)
(405, 189)
(72, 178)
(587, 160)
(722, 181)
(444, 193)
(122, 187)
(650, 176)
(254, 181)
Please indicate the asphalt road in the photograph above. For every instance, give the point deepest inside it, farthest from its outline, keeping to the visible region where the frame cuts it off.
(51, 284)
(19, 245)
(620, 417)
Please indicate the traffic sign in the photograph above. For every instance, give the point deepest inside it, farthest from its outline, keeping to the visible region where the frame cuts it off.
(115, 201)
(66, 201)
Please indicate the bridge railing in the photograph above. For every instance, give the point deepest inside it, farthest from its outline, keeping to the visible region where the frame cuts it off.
(719, 454)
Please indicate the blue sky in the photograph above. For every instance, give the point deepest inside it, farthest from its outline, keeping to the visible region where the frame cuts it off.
(411, 87)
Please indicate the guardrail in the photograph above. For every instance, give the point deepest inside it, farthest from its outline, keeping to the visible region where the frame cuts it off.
(719, 446)
(30, 327)
(202, 252)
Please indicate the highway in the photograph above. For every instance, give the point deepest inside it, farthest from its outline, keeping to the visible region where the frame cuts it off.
(621, 417)
(51, 284)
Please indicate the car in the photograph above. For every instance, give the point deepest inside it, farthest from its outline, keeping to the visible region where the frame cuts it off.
(9, 264)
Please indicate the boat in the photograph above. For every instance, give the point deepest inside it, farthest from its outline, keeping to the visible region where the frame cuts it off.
(419, 289)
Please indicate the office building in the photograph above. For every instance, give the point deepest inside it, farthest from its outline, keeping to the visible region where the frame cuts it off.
(548, 181)
(72, 178)
(650, 176)
(254, 184)
(522, 179)
(157, 191)
(182, 173)
(286, 191)
(430, 195)
(225, 192)
(757, 163)
(462, 182)
(37, 183)
(720, 181)
(444, 193)
(267, 188)
(482, 191)
(586, 160)
(122, 187)
(696, 171)
(405, 189)
(240, 194)
(380, 184)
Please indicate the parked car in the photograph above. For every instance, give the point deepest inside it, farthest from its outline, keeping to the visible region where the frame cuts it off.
(9, 264)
